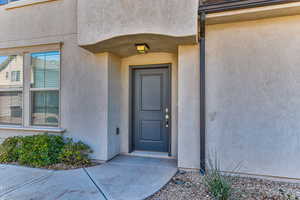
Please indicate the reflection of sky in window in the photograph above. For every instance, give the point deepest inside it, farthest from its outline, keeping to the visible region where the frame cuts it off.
(3, 58)
(3, 2)
(53, 55)
(6, 1)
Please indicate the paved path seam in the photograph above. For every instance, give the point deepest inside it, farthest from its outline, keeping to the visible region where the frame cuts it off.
(30, 182)
(99, 189)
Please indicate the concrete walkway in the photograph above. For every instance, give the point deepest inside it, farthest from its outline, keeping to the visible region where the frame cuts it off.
(123, 178)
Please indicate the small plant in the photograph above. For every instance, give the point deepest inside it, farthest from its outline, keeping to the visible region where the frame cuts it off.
(75, 153)
(288, 196)
(218, 185)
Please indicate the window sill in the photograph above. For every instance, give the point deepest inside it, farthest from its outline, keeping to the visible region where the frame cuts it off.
(33, 129)
(23, 3)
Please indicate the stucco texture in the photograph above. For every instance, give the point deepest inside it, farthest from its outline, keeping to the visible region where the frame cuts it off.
(37, 24)
(115, 26)
(253, 96)
(188, 107)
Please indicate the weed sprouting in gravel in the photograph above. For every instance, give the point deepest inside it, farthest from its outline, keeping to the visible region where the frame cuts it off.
(219, 186)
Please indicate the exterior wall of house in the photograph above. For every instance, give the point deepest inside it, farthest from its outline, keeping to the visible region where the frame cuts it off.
(84, 96)
(26, 27)
(253, 96)
(114, 26)
(253, 80)
(114, 100)
(84, 75)
(188, 107)
(38, 24)
(148, 59)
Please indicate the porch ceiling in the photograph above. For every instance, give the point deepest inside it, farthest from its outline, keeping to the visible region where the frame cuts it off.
(124, 46)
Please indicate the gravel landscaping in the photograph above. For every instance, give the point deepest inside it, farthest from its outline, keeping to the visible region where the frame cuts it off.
(189, 186)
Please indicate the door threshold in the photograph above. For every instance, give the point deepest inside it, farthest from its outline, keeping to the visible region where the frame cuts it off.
(151, 154)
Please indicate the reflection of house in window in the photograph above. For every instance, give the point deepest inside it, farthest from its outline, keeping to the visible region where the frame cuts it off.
(45, 81)
(15, 76)
(45, 71)
(11, 72)
(11, 84)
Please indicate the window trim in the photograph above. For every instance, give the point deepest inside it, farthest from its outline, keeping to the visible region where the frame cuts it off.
(32, 129)
(23, 3)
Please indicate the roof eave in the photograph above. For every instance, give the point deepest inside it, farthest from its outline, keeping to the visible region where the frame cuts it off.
(234, 5)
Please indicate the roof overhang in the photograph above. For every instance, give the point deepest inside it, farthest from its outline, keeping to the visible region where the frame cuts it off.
(272, 10)
(212, 6)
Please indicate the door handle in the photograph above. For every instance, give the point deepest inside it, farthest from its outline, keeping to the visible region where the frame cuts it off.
(167, 117)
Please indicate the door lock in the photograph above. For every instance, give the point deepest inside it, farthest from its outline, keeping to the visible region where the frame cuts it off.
(167, 117)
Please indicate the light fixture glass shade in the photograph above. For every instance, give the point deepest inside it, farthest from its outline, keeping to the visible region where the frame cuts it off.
(142, 48)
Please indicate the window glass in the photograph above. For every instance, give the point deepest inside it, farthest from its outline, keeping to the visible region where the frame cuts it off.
(15, 76)
(45, 108)
(45, 88)
(11, 107)
(11, 66)
(45, 70)
(2, 2)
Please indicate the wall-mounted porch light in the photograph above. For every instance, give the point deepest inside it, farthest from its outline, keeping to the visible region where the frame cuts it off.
(142, 48)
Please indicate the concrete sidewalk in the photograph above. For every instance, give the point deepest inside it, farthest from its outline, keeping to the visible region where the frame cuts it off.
(123, 178)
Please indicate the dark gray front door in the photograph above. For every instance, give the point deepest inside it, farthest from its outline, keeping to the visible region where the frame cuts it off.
(151, 104)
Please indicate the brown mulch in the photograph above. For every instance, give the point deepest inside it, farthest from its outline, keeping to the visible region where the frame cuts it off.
(189, 186)
(59, 166)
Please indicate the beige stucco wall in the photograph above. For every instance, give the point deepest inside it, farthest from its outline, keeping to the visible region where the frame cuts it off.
(253, 95)
(115, 26)
(84, 75)
(94, 86)
(84, 96)
(147, 59)
(188, 107)
(99, 20)
(38, 24)
(114, 112)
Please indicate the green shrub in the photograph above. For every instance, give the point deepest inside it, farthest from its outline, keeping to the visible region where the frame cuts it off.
(44, 150)
(218, 185)
(40, 150)
(75, 153)
(9, 150)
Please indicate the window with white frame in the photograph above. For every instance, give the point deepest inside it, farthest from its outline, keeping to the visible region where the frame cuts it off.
(44, 88)
(41, 84)
(11, 91)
